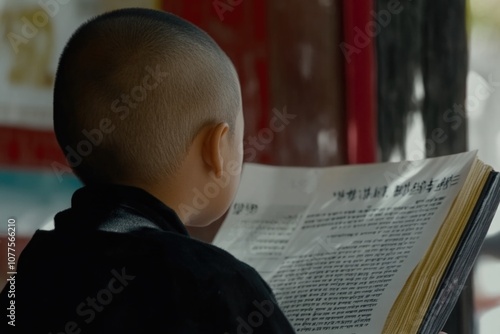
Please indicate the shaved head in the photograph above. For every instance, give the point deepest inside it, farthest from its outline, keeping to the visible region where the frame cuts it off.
(133, 89)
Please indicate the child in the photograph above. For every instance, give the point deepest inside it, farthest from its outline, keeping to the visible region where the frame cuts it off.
(147, 109)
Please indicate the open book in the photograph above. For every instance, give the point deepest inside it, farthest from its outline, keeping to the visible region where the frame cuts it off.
(364, 249)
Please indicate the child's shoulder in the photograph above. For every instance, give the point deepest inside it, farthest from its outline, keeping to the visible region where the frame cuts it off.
(178, 257)
(186, 251)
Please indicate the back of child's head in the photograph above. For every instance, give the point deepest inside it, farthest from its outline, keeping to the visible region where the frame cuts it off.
(133, 88)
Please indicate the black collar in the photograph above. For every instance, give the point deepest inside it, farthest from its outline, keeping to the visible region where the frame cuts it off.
(94, 205)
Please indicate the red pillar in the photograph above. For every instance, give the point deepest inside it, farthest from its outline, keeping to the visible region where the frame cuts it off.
(360, 81)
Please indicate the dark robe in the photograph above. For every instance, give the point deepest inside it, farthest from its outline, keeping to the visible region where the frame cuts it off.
(120, 261)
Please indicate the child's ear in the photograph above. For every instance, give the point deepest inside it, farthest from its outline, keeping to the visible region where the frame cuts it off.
(213, 147)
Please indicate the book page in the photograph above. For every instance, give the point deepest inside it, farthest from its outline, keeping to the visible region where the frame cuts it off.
(337, 244)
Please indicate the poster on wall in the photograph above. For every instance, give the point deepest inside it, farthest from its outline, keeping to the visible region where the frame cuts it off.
(32, 36)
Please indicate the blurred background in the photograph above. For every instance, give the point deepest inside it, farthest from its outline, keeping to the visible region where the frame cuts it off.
(368, 81)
